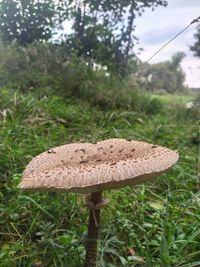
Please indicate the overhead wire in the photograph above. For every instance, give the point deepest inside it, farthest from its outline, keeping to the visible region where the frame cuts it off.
(173, 38)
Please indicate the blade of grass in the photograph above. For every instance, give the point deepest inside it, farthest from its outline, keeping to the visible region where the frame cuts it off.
(38, 205)
(195, 234)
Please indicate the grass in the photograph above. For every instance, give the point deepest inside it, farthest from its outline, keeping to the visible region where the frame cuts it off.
(174, 99)
(156, 224)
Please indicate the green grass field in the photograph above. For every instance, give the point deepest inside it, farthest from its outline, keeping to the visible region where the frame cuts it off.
(156, 224)
(175, 99)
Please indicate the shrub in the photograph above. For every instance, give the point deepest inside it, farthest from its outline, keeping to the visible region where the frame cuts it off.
(149, 104)
(197, 101)
(36, 66)
(48, 69)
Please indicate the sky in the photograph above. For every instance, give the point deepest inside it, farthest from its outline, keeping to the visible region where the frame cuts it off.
(155, 28)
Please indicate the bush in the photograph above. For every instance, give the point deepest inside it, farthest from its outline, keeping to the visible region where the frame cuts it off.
(48, 69)
(36, 66)
(149, 104)
(197, 101)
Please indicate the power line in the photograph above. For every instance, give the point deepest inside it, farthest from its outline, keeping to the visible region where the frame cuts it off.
(172, 39)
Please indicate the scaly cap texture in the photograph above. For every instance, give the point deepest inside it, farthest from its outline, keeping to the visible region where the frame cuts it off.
(86, 168)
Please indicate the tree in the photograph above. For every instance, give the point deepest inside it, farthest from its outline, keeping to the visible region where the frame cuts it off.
(196, 47)
(26, 21)
(175, 66)
(103, 30)
(167, 76)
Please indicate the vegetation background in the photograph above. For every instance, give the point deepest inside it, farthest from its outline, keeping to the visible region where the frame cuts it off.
(84, 86)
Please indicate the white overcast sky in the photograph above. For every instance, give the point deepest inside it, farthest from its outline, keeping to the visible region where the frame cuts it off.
(156, 28)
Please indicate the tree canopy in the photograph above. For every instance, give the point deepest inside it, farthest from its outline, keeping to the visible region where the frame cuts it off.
(196, 47)
(26, 21)
(102, 29)
(167, 76)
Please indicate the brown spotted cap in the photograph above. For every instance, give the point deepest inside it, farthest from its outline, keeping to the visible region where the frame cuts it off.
(85, 167)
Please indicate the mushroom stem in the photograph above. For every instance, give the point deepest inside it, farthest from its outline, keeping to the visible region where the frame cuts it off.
(93, 230)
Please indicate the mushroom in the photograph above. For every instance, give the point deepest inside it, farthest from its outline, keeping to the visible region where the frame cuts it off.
(91, 168)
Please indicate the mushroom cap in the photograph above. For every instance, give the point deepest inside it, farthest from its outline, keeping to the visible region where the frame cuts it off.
(86, 167)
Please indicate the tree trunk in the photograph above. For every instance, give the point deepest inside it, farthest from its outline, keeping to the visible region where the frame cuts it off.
(129, 33)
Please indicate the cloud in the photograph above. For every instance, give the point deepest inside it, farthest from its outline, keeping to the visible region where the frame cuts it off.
(183, 3)
(154, 29)
(158, 36)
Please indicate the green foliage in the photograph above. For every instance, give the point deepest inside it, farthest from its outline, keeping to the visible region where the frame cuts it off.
(196, 47)
(103, 30)
(52, 94)
(26, 21)
(166, 76)
(48, 69)
(148, 225)
(45, 67)
(197, 101)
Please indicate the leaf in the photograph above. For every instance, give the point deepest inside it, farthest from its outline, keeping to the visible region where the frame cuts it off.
(38, 205)
(192, 264)
(157, 205)
(123, 260)
(190, 239)
(164, 253)
(136, 258)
